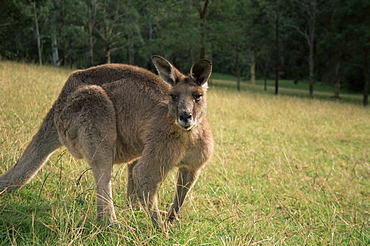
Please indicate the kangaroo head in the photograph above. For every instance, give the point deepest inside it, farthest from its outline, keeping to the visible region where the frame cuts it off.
(187, 95)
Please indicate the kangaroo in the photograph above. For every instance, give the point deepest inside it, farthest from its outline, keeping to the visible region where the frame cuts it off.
(117, 113)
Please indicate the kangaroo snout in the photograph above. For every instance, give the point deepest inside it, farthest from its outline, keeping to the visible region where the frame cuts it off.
(185, 120)
(185, 116)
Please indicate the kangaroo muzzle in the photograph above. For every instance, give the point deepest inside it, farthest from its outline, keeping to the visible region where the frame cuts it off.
(185, 120)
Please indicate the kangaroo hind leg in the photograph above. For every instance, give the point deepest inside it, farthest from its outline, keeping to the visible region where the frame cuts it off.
(131, 196)
(87, 127)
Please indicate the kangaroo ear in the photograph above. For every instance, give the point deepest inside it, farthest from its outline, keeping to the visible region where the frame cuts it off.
(200, 71)
(166, 70)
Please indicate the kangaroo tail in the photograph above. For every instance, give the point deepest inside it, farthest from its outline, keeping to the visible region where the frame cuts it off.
(43, 144)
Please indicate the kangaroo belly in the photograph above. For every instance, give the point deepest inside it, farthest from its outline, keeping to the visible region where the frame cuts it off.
(127, 152)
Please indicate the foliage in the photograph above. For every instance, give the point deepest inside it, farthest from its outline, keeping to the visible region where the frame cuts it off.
(286, 170)
(236, 35)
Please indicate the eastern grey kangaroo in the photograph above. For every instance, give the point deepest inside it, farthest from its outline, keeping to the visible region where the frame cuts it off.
(117, 113)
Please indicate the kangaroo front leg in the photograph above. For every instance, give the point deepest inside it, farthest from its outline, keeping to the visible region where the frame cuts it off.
(185, 180)
(147, 177)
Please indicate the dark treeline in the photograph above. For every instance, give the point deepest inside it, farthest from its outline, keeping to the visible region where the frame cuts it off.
(314, 40)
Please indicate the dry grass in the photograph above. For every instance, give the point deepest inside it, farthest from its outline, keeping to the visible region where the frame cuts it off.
(286, 171)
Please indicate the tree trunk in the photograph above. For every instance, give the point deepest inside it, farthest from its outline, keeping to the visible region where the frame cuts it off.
(130, 50)
(237, 66)
(277, 49)
(366, 77)
(62, 42)
(337, 78)
(107, 52)
(54, 47)
(309, 10)
(202, 49)
(311, 75)
(90, 31)
(37, 33)
(253, 67)
(202, 14)
(149, 36)
(311, 60)
(265, 71)
(54, 44)
(311, 38)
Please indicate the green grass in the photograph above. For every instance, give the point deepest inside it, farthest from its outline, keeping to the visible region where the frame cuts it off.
(287, 170)
(287, 87)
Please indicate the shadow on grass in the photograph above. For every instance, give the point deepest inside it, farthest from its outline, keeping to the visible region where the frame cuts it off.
(21, 219)
(283, 91)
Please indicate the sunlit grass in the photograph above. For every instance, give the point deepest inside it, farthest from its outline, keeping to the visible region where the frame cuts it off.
(286, 171)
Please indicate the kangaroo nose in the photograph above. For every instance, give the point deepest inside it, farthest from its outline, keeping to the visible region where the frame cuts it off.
(184, 116)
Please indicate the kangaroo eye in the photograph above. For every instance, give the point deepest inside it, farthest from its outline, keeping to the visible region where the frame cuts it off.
(173, 97)
(197, 97)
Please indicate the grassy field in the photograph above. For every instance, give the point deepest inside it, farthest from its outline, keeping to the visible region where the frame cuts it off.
(287, 170)
(288, 88)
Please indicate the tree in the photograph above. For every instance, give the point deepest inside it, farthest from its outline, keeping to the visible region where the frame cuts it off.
(36, 19)
(90, 26)
(16, 23)
(333, 44)
(177, 34)
(131, 30)
(355, 20)
(277, 67)
(108, 27)
(346, 43)
(259, 30)
(308, 9)
(67, 30)
(202, 8)
(242, 38)
(227, 30)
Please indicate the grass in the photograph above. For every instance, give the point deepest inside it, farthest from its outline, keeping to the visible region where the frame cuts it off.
(287, 170)
(287, 87)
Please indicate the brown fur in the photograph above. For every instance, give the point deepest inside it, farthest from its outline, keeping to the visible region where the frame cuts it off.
(124, 114)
